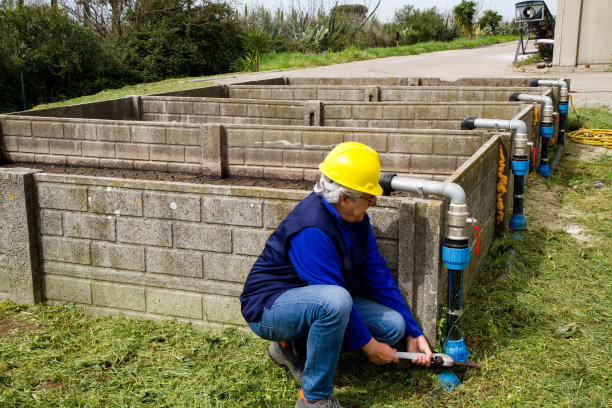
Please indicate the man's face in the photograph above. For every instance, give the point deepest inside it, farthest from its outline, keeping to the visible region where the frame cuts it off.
(351, 210)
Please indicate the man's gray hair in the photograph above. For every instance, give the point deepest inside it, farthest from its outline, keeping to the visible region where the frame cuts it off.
(331, 191)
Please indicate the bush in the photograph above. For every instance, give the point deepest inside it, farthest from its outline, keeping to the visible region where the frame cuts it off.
(416, 26)
(57, 56)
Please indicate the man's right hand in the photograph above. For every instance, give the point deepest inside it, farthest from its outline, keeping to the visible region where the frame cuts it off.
(380, 353)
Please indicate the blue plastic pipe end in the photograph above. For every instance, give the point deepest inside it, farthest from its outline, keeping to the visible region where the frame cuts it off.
(456, 349)
(448, 380)
(455, 258)
(544, 170)
(519, 167)
(517, 222)
(563, 107)
(546, 132)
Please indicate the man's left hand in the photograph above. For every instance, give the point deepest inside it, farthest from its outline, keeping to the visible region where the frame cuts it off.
(419, 345)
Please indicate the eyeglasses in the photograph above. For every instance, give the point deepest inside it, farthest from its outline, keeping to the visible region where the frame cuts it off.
(371, 201)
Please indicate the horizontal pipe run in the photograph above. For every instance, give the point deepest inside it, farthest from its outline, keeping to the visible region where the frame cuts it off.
(451, 190)
(520, 141)
(546, 100)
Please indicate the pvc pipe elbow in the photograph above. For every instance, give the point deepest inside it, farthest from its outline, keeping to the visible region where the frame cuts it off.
(546, 100)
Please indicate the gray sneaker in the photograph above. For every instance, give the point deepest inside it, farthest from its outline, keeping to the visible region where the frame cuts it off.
(330, 402)
(283, 355)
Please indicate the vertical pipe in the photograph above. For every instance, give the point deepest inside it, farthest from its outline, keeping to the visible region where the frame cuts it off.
(546, 131)
(22, 90)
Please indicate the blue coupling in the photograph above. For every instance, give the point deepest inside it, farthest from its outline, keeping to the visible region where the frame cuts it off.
(448, 380)
(544, 170)
(517, 222)
(546, 131)
(563, 107)
(455, 258)
(456, 349)
(519, 167)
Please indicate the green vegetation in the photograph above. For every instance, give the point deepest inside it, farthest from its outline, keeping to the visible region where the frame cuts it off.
(464, 13)
(538, 322)
(590, 117)
(532, 59)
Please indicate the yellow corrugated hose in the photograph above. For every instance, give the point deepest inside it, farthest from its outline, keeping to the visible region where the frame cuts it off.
(502, 182)
(593, 137)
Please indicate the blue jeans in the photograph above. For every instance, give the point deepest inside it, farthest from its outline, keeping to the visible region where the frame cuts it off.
(317, 316)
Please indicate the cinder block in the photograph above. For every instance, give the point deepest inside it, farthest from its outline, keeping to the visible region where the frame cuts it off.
(151, 166)
(222, 309)
(367, 112)
(109, 255)
(67, 289)
(224, 267)
(432, 164)
(391, 95)
(16, 127)
(353, 95)
(172, 206)
(112, 200)
(132, 151)
(394, 163)
(352, 123)
(50, 222)
(403, 143)
(193, 154)
(239, 93)
(116, 164)
(249, 241)
(289, 112)
(50, 159)
(146, 232)
(243, 120)
(460, 111)
(377, 141)
(399, 112)
(261, 93)
(244, 137)
(246, 171)
(446, 95)
(62, 197)
(206, 108)
(66, 147)
(263, 157)
(174, 262)
(303, 158)
(153, 106)
(99, 149)
(184, 136)
(431, 112)
(113, 133)
(260, 110)
(10, 143)
(82, 161)
(235, 156)
(118, 296)
(337, 112)
(417, 95)
(178, 107)
(283, 138)
(52, 130)
(329, 95)
(168, 153)
(281, 94)
(304, 94)
(283, 173)
(233, 109)
(185, 168)
(89, 226)
(13, 157)
(65, 250)
(31, 145)
(203, 237)
(385, 222)
(456, 145)
(276, 211)
(322, 140)
(174, 303)
(148, 134)
(232, 211)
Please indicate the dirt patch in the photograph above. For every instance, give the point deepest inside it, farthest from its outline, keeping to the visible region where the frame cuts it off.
(582, 152)
(47, 385)
(9, 324)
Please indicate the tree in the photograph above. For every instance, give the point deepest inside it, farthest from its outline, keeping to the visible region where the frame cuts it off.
(420, 26)
(490, 19)
(464, 16)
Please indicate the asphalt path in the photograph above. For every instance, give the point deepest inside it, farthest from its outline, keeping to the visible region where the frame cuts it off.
(588, 86)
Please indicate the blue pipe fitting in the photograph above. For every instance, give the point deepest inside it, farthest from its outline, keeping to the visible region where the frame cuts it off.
(563, 107)
(455, 258)
(448, 380)
(519, 167)
(456, 349)
(518, 222)
(546, 131)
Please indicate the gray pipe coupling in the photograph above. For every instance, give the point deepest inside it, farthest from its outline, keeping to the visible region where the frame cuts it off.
(547, 111)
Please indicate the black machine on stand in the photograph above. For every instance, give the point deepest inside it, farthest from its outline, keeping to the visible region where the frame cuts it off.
(535, 23)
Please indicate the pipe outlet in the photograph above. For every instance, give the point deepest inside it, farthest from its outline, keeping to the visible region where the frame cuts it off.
(563, 91)
(520, 140)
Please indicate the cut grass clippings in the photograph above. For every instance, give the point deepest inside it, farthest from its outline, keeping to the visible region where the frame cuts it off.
(538, 321)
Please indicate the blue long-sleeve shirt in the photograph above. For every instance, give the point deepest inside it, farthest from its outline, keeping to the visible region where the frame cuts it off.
(316, 261)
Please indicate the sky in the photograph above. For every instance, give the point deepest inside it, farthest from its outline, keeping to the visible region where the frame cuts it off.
(387, 7)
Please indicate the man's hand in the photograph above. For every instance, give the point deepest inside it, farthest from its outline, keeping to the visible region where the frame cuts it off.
(380, 353)
(419, 345)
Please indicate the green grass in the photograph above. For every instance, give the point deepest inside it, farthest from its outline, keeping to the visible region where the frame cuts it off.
(532, 59)
(273, 60)
(528, 291)
(590, 117)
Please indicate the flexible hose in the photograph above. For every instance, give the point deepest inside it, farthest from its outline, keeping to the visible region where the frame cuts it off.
(593, 137)
(502, 182)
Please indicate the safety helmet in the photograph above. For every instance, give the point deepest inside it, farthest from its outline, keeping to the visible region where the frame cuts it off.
(353, 165)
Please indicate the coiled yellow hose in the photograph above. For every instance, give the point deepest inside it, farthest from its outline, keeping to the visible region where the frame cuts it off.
(593, 137)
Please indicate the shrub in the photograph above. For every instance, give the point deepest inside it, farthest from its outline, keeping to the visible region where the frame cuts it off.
(421, 26)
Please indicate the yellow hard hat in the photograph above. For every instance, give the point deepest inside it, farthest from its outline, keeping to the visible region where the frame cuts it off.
(353, 165)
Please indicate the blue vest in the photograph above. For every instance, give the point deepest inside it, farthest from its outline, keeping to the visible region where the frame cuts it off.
(273, 273)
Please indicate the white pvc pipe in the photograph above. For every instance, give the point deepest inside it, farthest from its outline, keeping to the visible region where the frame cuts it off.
(546, 100)
(451, 190)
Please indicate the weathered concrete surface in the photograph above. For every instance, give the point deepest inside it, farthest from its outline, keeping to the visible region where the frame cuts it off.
(492, 61)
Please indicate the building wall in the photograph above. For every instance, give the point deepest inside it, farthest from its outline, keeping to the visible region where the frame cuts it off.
(583, 33)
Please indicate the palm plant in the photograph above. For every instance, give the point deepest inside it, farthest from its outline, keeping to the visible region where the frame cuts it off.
(464, 15)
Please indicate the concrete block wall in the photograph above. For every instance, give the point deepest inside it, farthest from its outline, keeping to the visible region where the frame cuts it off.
(161, 249)
(174, 147)
(295, 152)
